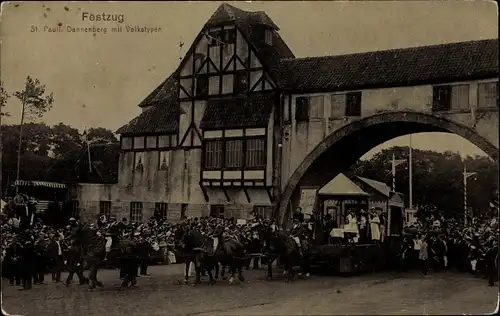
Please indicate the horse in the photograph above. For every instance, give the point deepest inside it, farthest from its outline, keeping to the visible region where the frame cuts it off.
(280, 245)
(95, 253)
(197, 248)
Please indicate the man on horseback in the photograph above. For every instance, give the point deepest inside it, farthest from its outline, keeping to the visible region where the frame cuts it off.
(298, 230)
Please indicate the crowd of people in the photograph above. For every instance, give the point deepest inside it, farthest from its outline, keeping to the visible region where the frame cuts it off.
(32, 246)
(436, 243)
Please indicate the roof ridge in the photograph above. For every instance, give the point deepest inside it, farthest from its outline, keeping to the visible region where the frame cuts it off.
(392, 49)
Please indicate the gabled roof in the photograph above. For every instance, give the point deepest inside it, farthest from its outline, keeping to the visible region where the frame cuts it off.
(239, 112)
(248, 23)
(342, 186)
(167, 89)
(377, 185)
(391, 68)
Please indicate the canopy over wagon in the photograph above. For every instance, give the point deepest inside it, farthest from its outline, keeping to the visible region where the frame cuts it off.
(339, 196)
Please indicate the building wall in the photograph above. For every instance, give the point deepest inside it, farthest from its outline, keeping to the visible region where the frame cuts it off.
(300, 138)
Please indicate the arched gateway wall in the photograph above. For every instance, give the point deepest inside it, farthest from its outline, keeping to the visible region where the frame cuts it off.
(345, 145)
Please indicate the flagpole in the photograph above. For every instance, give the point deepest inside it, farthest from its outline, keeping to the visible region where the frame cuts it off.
(410, 176)
(393, 173)
(465, 194)
(88, 149)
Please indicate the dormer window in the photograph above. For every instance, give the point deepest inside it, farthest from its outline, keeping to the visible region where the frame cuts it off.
(214, 38)
(269, 37)
(229, 36)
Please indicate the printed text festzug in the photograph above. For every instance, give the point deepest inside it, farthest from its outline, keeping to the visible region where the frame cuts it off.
(103, 17)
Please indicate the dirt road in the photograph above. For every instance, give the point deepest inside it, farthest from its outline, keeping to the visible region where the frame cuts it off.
(160, 294)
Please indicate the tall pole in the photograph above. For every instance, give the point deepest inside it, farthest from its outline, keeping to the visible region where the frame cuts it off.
(465, 195)
(466, 175)
(88, 149)
(393, 173)
(410, 176)
(18, 169)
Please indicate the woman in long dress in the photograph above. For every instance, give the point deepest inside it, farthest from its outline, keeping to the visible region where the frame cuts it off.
(374, 227)
(351, 228)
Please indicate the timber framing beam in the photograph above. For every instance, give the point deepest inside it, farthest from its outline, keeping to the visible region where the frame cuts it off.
(204, 190)
(225, 193)
(246, 194)
(268, 190)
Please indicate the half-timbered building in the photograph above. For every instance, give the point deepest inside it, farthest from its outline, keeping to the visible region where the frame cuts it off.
(234, 128)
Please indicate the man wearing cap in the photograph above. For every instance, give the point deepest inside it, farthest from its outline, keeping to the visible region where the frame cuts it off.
(298, 230)
(41, 258)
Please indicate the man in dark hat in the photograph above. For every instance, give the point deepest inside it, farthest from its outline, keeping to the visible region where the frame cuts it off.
(27, 263)
(298, 230)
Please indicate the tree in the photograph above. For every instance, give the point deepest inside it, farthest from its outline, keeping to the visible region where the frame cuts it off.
(34, 103)
(437, 179)
(4, 96)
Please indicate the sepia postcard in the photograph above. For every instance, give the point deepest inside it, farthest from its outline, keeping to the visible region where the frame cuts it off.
(249, 157)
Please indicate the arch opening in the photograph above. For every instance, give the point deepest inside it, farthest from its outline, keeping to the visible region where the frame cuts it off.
(341, 149)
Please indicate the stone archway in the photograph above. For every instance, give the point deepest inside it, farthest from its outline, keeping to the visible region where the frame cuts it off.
(429, 121)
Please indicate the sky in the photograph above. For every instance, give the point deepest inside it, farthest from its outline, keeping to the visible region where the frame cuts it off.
(98, 80)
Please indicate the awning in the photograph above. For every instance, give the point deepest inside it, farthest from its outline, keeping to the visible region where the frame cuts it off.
(47, 184)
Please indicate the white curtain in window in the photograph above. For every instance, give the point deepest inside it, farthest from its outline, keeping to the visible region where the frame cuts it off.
(337, 105)
(316, 108)
(460, 97)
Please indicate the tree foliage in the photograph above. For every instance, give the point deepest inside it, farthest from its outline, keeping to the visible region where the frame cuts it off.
(34, 99)
(4, 96)
(437, 178)
(58, 153)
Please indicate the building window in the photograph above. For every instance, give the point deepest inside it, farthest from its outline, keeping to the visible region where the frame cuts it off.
(162, 208)
(136, 212)
(460, 96)
(353, 104)
(214, 38)
(255, 153)
(269, 37)
(316, 108)
(302, 108)
(202, 85)
(139, 161)
(127, 143)
(139, 142)
(165, 141)
(184, 208)
(441, 98)
(217, 210)
(240, 82)
(487, 94)
(151, 141)
(229, 36)
(234, 153)
(75, 209)
(213, 154)
(263, 212)
(163, 160)
(338, 103)
(105, 209)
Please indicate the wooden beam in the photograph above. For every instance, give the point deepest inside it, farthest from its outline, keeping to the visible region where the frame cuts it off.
(268, 190)
(246, 194)
(225, 193)
(205, 194)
